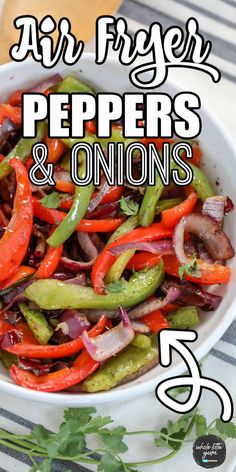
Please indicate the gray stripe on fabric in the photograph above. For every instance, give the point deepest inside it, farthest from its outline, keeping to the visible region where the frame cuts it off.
(16, 418)
(230, 2)
(147, 15)
(223, 357)
(57, 465)
(228, 76)
(208, 13)
(230, 335)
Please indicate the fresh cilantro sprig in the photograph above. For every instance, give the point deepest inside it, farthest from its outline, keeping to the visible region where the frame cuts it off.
(70, 442)
(51, 201)
(191, 268)
(129, 207)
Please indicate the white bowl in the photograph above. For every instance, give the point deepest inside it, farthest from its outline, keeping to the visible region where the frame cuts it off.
(219, 163)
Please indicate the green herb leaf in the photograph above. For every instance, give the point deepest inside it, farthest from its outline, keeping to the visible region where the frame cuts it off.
(45, 466)
(113, 439)
(40, 434)
(95, 424)
(201, 425)
(79, 416)
(74, 445)
(116, 286)
(110, 463)
(129, 207)
(228, 429)
(190, 268)
(51, 201)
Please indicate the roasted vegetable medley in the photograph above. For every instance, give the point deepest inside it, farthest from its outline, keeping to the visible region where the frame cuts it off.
(89, 276)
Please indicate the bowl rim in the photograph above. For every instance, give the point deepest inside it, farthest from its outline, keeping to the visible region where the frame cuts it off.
(143, 386)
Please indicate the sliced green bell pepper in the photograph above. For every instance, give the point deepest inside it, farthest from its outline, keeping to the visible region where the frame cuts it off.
(52, 294)
(119, 265)
(149, 203)
(80, 205)
(73, 85)
(166, 204)
(200, 183)
(37, 322)
(22, 149)
(132, 362)
(183, 318)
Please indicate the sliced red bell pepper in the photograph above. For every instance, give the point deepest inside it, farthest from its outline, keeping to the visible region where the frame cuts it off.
(155, 321)
(15, 241)
(157, 141)
(83, 366)
(100, 226)
(11, 113)
(111, 196)
(15, 98)
(114, 193)
(67, 187)
(90, 127)
(172, 216)
(66, 204)
(105, 259)
(21, 273)
(210, 273)
(53, 216)
(21, 328)
(50, 262)
(56, 149)
(170, 307)
(143, 260)
(54, 352)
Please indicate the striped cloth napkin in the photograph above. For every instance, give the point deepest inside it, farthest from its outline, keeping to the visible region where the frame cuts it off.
(217, 19)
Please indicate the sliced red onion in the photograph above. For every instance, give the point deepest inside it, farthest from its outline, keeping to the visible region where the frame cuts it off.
(98, 198)
(80, 279)
(40, 249)
(191, 294)
(38, 368)
(14, 295)
(76, 266)
(172, 191)
(215, 240)
(229, 205)
(61, 275)
(7, 210)
(214, 207)
(87, 246)
(159, 247)
(34, 366)
(73, 323)
(190, 247)
(46, 84)
(12, 317)
(155, 304)
(62, 174)
(140, 327)
(8, 339)
(107, 209)
(203, 253)
(112, 341)
(5, 129)
(97, 241)
(95, 315)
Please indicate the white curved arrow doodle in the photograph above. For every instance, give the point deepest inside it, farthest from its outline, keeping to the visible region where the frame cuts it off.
(170, 339)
